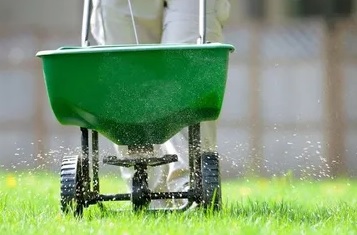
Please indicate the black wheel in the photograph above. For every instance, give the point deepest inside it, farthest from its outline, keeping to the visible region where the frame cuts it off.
(211, 182)
(72, 185)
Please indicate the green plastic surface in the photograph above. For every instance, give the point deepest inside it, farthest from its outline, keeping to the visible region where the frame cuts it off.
(136, 94)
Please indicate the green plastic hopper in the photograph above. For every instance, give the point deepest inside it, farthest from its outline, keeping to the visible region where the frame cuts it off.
(136, 94)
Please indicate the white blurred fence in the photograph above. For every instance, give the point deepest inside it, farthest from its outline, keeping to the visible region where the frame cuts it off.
(290, 101)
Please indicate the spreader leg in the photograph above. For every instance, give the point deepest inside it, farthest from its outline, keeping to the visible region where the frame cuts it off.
(85, 160)
(194, 148)
(95, 162)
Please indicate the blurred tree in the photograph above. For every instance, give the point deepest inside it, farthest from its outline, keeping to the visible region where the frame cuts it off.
(320, 8)
(256, 9)
(332, 11)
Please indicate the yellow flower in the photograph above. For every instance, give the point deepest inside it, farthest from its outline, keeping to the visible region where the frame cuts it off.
(11, 181)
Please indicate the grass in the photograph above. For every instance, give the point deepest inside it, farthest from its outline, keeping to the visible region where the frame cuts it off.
(29, 205)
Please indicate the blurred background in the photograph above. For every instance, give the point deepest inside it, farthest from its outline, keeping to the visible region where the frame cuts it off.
(291, 99)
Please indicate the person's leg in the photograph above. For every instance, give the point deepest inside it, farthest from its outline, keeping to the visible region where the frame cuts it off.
(181, 20)
(181, 24)
(111, 23)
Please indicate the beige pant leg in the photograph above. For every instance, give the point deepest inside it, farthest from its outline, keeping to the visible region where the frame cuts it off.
(181, 24)
(111, 21)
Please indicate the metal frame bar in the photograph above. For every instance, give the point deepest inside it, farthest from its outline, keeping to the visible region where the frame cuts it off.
(152, 196)
(194, 151)
(85, 157)
(86, 23)
(95, 162)
(202, 22)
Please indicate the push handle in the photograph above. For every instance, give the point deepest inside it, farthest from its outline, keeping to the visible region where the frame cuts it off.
(85, 23)
(202, 22)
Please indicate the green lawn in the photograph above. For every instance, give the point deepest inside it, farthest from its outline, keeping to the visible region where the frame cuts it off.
(29, 204)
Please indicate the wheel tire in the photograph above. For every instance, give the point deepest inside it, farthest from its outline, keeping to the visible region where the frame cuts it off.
(211, 182)
(72, 185)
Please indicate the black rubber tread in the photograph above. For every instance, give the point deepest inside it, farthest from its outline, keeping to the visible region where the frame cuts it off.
(211, 182)
(71, 185)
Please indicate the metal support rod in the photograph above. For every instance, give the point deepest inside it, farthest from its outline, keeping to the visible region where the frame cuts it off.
(153, 196)
(133, 22)
(84, 142)
(194, 148)
(116, 197)
(95, 160)
(202, 22)
(85, 23)
(194, 131)
(191, 159)
(165, 195)
(85, 157)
